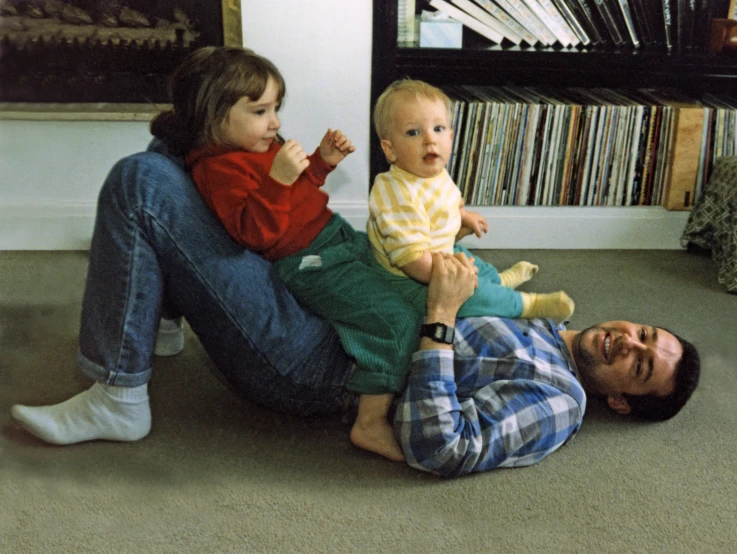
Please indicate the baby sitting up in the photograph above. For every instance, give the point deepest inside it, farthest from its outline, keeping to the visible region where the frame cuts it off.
(416, 209)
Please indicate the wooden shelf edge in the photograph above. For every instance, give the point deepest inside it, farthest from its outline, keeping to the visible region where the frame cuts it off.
(29, 111)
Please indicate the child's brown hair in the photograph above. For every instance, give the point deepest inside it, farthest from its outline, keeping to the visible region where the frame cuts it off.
(202, 90)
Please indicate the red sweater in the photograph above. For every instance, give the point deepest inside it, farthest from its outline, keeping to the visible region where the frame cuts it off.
(260, 213)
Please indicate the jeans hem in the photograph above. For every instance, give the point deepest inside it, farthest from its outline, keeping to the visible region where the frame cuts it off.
(102, 375)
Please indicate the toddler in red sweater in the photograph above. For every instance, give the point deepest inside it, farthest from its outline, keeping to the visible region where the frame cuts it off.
(268, 196)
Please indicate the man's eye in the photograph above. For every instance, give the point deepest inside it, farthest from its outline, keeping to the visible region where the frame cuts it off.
(643, 335)
(638, 369)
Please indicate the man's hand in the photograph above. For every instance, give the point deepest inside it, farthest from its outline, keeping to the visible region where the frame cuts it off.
(289, 163)
(335, 146)
(471, 222)
(454, 278)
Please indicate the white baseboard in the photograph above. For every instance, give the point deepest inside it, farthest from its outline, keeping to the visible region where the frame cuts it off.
(570, 228)
(567, 228)
(68, 226)
(46, 225)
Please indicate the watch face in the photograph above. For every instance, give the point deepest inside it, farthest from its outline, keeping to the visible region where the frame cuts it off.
(438, 332)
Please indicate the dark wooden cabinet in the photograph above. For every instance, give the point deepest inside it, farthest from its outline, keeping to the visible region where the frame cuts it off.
(480, 63)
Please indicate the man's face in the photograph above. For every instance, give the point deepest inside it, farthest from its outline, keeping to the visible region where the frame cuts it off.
(621, 357)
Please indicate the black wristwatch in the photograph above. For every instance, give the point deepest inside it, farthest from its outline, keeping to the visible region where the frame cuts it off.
(439, 332)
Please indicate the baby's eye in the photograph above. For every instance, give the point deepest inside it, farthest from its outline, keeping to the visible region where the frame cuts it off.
(412, 133)
(643, 335)
(439, 128)
(260, 112)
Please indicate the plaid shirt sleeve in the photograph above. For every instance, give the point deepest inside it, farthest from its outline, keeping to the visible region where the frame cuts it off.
(456, 416)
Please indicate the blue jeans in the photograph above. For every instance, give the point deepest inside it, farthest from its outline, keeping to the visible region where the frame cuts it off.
(156, 249)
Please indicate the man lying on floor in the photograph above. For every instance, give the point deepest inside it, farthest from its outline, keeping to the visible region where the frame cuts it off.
(508, 392)
(491, 393)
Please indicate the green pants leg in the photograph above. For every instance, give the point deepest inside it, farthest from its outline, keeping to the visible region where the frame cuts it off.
(337, 278)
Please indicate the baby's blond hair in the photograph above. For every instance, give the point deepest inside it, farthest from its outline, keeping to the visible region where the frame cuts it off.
(385, 103)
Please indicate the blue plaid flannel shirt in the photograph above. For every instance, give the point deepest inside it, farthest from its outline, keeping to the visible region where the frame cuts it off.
(506, 396)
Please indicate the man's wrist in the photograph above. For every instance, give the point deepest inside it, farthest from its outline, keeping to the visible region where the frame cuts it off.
(429, 344)
(439, 315)
(438, 332)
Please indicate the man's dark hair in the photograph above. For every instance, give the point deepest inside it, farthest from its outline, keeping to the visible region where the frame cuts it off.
(660, 408)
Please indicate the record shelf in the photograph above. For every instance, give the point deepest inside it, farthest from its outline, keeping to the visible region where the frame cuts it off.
(480, 62)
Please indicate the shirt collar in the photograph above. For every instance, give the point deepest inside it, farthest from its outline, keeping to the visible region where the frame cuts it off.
(411, 177)
(554, 328)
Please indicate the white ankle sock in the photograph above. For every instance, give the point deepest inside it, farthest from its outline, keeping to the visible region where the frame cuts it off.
(101, 412)
(170, 337)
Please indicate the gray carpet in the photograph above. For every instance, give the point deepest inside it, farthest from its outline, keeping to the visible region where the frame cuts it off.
(219, 475)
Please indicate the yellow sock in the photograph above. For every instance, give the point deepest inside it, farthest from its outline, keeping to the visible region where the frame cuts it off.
(553, 305)
(519, 273)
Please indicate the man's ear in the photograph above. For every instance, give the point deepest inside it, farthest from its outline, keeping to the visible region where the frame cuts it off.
(386, 146)
(618, 403)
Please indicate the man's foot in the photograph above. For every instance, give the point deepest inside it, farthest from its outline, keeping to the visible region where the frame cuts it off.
(101, 412)
(519, 273)
(553, 305)
(170, 338)
(378, 438)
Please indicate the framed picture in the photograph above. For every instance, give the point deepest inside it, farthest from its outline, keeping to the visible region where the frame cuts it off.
(104, 51)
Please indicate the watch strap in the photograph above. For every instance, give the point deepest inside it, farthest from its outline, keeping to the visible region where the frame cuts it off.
(439, 332)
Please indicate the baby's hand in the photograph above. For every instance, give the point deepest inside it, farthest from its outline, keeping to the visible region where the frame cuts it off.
(335, 146)
(463, 232)
(289, 163)
(473, 221)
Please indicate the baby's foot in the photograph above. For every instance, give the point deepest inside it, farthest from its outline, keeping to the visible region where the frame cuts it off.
(101, 412)
(378, 438)
(553, 305)
(519, 273)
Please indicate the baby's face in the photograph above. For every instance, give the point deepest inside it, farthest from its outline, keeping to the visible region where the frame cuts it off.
(420, 140)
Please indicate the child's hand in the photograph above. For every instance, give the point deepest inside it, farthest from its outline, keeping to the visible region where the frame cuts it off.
(473, 222)
(463, 232)
(289, 163)
(335, 146)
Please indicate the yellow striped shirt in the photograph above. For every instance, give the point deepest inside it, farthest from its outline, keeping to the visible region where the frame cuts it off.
(411, 214)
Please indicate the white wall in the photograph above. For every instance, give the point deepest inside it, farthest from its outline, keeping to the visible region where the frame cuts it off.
(51, 171)
(323, 49)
